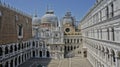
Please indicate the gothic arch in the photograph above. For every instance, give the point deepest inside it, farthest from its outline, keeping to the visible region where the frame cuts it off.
(15, 47)
(15, 62)
(113, 54)
(22, 58)
(96, 46)
(33, 44)
(40, 53)
(11, 63)
(65, 48)
(74, 47)
(48, 53)
(33, 53)
(19, 60)
(6, 50)
(19, 46)
(1, 51)
(22, 46)
(25, 45)
(68, 48)
(71, 47)
(103, 49)
(99, 47)
(25, 56)
(11, 49)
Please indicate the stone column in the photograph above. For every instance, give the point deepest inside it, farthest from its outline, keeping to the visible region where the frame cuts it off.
(117, 61)
(110, 57)
(106, 57)
(8, 63)
(3, 64)
(13, 62)
(3, 56)
(17, 60)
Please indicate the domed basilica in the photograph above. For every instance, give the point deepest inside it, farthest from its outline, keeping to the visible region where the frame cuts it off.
(59, 37)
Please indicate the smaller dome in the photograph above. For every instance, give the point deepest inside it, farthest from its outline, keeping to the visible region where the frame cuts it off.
(36, 20)
(67, 20)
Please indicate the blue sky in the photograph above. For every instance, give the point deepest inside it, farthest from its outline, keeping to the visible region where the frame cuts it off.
(78, 7)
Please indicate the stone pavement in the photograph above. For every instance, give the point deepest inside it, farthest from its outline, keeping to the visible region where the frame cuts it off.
(67, 62)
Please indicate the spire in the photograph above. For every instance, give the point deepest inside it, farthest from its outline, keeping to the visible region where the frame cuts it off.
(49, 10)
(35, 13)
(47, 7)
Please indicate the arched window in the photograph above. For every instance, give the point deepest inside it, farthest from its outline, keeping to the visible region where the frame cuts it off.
(112, 9)
(107, 12)
(20, 30)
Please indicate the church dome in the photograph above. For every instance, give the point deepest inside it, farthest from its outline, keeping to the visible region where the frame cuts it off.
(49, 17)
(36, 20)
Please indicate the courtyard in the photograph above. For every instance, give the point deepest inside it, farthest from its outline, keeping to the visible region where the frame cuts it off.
(67, 62)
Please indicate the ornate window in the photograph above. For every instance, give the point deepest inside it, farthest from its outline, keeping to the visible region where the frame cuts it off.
(20, 31)
(107, 12)
(16, 17)
(112, 9)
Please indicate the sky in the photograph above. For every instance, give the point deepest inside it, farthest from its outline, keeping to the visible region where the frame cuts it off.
(78, 8)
